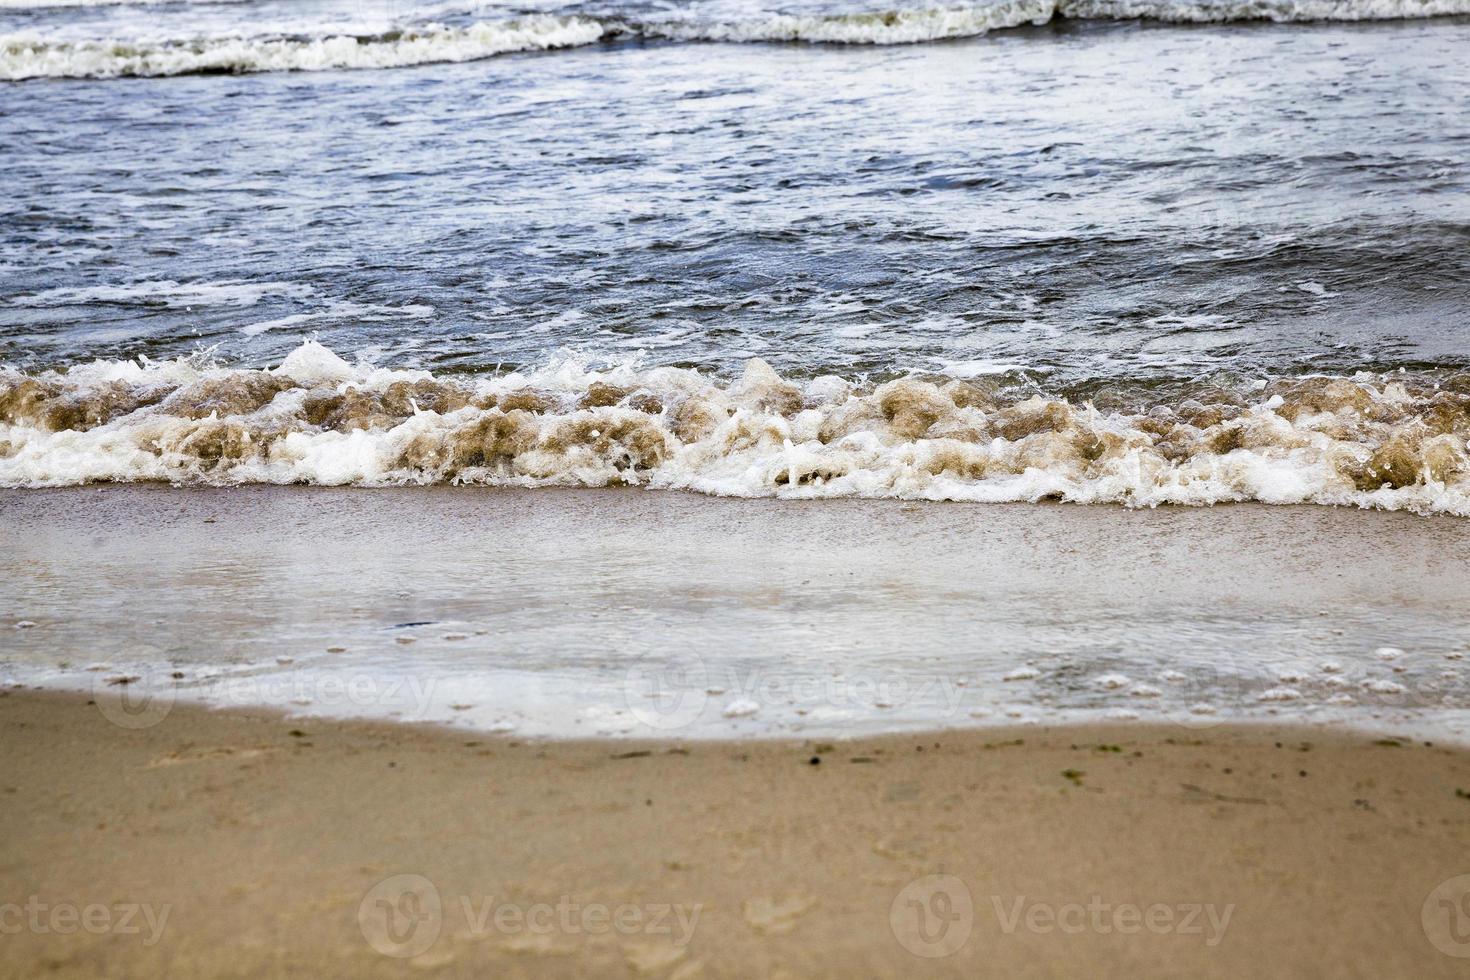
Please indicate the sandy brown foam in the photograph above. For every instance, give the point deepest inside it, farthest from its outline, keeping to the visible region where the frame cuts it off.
(1394, 441)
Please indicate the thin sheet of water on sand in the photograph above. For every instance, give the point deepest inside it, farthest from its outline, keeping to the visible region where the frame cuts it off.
(635, 613)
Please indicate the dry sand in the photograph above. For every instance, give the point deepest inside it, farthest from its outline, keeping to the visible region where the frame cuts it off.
(250, 845)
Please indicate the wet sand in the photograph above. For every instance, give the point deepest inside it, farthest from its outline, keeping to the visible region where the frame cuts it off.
(251, 845)
(526, 610)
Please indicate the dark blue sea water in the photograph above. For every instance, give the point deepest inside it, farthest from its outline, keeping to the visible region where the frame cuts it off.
(1084, 200)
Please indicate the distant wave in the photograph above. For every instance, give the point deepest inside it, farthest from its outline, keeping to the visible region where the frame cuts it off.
(886, 27)
(1277, 11)
(29, 55)
(1391, 441)
(50, 4)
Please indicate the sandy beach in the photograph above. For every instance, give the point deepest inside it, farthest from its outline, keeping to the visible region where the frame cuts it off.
(244, 844)
(735, 488)
(780, 828)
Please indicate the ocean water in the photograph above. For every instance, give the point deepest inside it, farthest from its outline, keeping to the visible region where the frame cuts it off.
(1091, 251)
(1130, 252)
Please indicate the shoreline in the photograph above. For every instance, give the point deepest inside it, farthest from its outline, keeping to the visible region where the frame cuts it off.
(1113, 849)
(624, 613)
(473, 483)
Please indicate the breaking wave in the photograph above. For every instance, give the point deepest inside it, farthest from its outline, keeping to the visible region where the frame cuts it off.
(48, 4)
(1393, 441)
(29, 55)
(1276, 11)
(886, 27)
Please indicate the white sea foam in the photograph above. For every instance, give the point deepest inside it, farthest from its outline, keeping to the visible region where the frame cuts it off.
(902, 26)
(25, 56)
(339, 309)
(31, 55)
(165, 292)
(1279, 11)
(982, 368)
(1368, 441)
(48, 4)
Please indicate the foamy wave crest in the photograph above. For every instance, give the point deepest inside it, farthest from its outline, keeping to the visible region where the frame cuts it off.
(52, 4)
(25, 56)
(1279, 11)
(1395, 442)
(885, 27)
